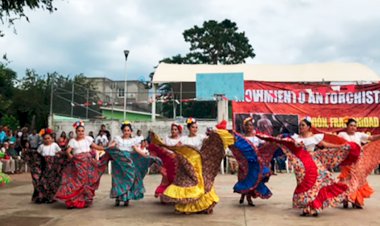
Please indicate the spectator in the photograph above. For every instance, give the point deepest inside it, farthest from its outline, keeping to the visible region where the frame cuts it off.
(144, 145)
(3, 136)
(24, 136)
(10, 137)
(71, 135)
(8, 162)
(139, 136)
(34, 140)
(54, 137)
(233, 164)
(19, 163)
(91, 134)
(102, 139)
(108, 134)
(62, 140)
(18, 146)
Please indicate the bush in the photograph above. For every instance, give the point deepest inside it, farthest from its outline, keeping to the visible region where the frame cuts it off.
(10, 121)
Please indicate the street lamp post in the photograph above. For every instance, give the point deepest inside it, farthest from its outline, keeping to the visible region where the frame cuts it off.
(126, 53)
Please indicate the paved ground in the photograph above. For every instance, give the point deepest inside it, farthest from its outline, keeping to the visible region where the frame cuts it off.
(16, 208)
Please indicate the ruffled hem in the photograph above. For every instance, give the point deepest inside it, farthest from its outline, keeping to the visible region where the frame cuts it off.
(362, 193)
(160, 190)
(176, 192)
(203, 203)
(79, 199)
(331, 195)
(262, 191)
(254, 171)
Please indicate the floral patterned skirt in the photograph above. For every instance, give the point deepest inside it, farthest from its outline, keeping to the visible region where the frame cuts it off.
(316, 187)
(34, 161)
(193, 187)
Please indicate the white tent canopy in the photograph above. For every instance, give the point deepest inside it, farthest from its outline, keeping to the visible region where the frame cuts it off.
(328, 72)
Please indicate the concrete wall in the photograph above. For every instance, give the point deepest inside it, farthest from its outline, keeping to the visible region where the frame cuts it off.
(160, 127)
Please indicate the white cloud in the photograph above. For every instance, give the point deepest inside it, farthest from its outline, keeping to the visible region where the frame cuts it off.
(89, 36)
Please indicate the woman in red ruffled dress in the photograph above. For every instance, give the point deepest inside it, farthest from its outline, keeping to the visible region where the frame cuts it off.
(168, 158)
(316, 187)
(81, 176)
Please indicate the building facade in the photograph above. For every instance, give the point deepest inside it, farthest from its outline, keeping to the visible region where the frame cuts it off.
(113, 92)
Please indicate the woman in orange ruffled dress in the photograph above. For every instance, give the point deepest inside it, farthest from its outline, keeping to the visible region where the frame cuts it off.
(357, 195)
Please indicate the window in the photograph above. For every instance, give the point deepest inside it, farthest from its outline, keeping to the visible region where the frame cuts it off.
(120, 92)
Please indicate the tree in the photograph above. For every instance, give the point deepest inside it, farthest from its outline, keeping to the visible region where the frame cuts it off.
(31, 99)
(10, 121)
(11, 10)
(7, 80)
(215, 43)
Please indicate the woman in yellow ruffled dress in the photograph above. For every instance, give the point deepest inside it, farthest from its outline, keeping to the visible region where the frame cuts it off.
(199, 159)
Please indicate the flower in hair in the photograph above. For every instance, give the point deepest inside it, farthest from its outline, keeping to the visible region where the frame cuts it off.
(191, 120)
(179, 127)
(78, 123)
(126, 122)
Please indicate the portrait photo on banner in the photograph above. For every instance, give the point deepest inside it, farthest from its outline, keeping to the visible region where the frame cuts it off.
(270, 124)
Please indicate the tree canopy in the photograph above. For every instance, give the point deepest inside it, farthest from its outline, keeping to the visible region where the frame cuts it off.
(12, 10)
(214, 43)
(28, 100)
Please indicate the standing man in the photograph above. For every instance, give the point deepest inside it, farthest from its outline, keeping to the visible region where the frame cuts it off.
(104, 129)
(34, 140)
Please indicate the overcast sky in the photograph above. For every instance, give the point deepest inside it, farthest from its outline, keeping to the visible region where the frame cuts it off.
(89, 36)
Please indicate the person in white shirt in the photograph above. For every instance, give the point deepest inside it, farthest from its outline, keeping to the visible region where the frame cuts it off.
(48, 148)
(81, 176)
(101, 139)
(175, 135)
(250, 132)
(139, 136)
(309, 140)
(350, 134)
(193, 139)
(130, 165)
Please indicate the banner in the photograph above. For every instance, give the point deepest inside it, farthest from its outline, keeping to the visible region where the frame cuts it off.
(278, 107)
